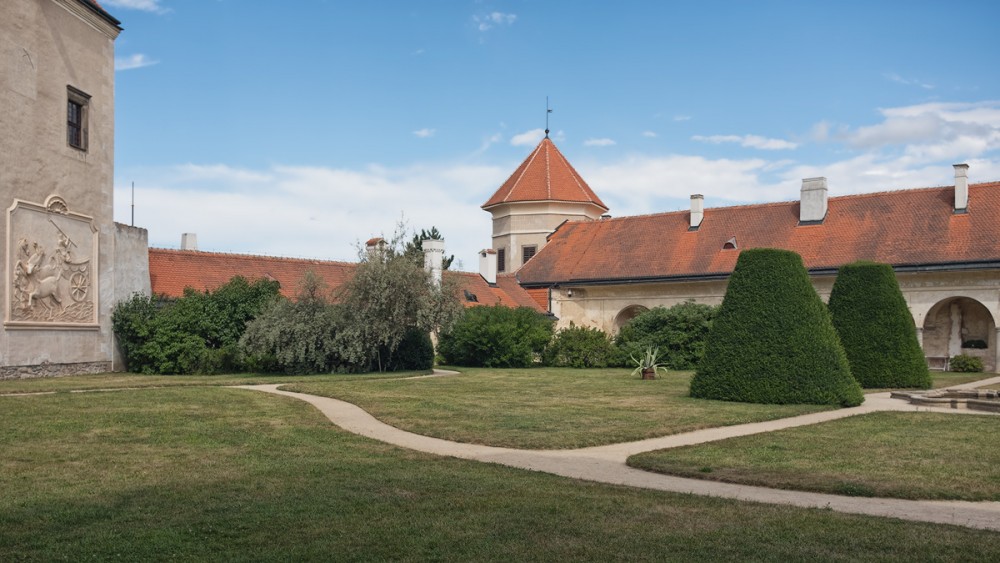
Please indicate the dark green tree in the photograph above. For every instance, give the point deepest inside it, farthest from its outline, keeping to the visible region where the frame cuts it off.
(496, 336)
(876, 328)
(414, 249)
(773, 340)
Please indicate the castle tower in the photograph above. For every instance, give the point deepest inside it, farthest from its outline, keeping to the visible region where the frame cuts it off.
(540, 195)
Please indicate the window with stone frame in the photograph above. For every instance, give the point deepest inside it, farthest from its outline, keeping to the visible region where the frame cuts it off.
(527, 253)
(77, 114)
(501, 260)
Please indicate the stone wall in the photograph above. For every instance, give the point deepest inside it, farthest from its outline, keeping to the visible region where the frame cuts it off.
(53, 370)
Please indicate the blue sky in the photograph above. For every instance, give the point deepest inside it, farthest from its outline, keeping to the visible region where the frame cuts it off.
(300, 128)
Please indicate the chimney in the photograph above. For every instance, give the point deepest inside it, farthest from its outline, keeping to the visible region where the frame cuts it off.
(961, 188)
(697, 211)
(812, 207)
(373, 245)
(433, 258)
(189, 241)
(488, 265)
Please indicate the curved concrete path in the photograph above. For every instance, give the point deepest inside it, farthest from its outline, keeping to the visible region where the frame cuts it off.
(606, 464)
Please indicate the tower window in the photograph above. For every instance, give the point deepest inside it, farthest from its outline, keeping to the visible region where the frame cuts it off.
(528, 252)
(501, 260)
(77, 110)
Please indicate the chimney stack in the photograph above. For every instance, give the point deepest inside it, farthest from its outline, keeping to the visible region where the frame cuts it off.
(488, 265)
(961, 188)
(433, 259)
(189, 241)
(812, 206)
(697, 210)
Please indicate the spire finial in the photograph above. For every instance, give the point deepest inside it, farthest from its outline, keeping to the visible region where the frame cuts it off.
(548, 110)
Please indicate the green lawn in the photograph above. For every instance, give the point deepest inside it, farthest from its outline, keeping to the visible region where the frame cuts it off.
(942, 379)
(545, 408)
(132, 381)
(224, 474)
(903, 455)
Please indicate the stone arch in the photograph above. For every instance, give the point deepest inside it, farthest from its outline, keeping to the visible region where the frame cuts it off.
(959, 325)
(627, 314)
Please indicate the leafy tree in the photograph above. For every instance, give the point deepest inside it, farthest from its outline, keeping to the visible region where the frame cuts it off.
(580, 347)
(678, 332)
(389, 295)
(773, 340)
(496, 336)
(876, 328)
(296, 336)
(414, 249)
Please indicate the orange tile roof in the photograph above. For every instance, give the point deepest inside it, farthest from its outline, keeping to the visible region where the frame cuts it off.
(902, 228)
(170, 271)
(545, 175)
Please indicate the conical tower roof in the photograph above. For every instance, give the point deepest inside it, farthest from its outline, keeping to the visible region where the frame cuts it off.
(545, 175)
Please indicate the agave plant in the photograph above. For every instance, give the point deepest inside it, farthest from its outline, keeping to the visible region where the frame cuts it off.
(646, 365)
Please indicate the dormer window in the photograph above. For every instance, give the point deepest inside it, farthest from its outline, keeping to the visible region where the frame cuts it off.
(730, 244)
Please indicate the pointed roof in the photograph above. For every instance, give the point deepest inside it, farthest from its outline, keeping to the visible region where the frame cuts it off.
(545, 175)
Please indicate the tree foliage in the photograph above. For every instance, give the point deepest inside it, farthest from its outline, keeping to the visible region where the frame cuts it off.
(197, 333)
(389, 295)
(876, 328)
(678, 332)
(496, 336)
(296, 336)
(773, 340)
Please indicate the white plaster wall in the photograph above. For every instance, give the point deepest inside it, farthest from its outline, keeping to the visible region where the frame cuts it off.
(45, 46)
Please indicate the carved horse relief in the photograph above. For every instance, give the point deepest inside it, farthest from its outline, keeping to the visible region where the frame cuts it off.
(49, 282)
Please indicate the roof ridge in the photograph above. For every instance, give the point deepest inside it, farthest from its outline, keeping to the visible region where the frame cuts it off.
(249, 255)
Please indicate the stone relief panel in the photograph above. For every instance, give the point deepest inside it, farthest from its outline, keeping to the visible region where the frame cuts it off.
(52, 265)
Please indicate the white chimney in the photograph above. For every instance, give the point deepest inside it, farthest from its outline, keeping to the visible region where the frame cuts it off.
(433, 258)
(373, 245)
(488, 265)
(812, 207)
(697, 210)
(961, 188)
(189, 241)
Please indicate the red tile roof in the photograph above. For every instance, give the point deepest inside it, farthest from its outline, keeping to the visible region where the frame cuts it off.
(170, 271)
(545, 175)
(910, 227)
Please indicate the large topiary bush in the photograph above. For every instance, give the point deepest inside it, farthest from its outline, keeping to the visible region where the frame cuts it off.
(496, 336)
(679, 332)
(580, 347)
(773, 341)
(876, 328)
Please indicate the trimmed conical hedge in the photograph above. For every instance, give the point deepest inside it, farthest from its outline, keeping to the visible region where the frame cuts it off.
(876, 328)
(773, 341)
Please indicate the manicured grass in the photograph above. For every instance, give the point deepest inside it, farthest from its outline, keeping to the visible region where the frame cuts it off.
(224, 474)
(942, 379)
(133, 380)
(887, 454)
(545, 408)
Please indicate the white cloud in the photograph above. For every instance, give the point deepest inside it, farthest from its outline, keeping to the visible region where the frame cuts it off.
(528, 138)
(649, 134)
(488, 21)
(130, 62)
(142, 5)
(682, 118)
(893, 77)
(751, 141)
(424, 133)
(602, 142)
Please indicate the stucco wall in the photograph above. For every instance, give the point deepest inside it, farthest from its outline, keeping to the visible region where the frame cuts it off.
(45, 46)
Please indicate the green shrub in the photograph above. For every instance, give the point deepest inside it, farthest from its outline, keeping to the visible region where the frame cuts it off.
(679, 333)
(496, 336)
(296, 336)
(580, 347)
(415, 352)
(876, 328)
(197, 333)
(773, 341)
(967, 364)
